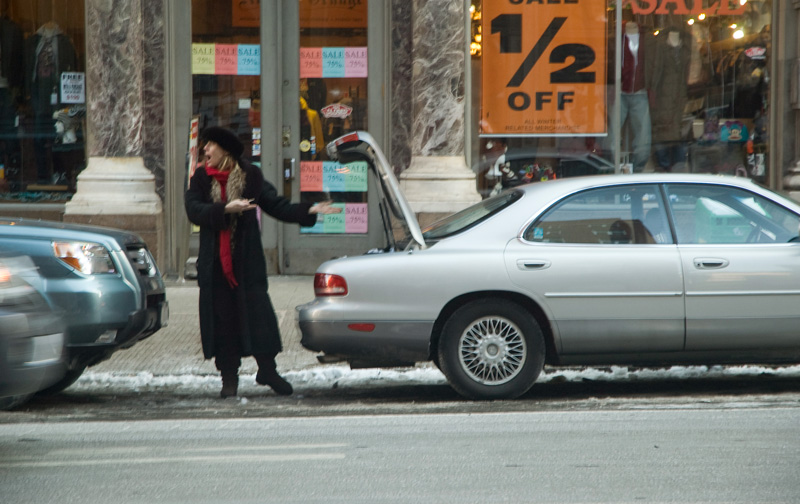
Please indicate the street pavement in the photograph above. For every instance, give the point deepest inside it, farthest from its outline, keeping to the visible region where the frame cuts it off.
(176, 349)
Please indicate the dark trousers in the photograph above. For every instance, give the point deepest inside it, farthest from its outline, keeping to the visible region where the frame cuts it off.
(227, 334)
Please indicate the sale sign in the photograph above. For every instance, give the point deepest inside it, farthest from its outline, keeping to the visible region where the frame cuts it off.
(544, 68)
(333, 62)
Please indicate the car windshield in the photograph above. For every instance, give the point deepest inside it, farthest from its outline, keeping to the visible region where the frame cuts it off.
(471, 216)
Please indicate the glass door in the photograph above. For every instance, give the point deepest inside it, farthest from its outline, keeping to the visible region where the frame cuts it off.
(332, 101)
(329, 77)
(226, 70)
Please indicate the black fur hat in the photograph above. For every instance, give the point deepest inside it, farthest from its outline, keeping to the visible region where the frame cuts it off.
(224, 138)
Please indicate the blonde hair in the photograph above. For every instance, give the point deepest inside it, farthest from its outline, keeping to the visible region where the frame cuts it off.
(228, 163)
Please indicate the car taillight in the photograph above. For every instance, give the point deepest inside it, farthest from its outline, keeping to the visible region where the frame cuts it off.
(352, 137)
(329, 285)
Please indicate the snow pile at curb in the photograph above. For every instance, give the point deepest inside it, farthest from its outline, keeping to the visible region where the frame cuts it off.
(323, 377)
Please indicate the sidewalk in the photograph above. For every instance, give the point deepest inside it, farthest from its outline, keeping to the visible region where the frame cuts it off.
(176, 350)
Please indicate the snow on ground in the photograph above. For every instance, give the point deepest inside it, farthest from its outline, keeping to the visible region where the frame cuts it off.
(323, 377)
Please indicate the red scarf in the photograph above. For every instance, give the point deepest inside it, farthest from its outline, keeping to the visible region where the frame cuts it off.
(225, 256)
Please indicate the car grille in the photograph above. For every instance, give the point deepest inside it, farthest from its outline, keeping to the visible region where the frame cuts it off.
(142, 260)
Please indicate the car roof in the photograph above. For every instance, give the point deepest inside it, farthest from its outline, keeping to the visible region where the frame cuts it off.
(538, 197)
(573, 184)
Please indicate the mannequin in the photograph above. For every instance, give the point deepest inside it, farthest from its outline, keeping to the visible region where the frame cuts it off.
(632, 39)
(48, 53)
(674, 38)
(668, 81)
(634, 107)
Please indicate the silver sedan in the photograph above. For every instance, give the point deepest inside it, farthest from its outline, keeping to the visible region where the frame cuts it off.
(642, 269)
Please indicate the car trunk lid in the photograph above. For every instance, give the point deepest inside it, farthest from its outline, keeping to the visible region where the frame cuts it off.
(400, 222)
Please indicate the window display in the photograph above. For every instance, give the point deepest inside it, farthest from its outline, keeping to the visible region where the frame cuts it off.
(333, 101)
(226, 70)
(42, 99)
(690, 92)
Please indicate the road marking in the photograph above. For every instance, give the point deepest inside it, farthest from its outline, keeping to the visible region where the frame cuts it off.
(217, 459)
(269, 447)
(147, 449)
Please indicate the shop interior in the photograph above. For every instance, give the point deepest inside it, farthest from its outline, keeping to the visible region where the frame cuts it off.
(703, 95)
(42, 122)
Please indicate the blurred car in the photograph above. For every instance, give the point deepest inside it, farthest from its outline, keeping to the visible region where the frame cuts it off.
(524, 165)
(31, 333)
(647, 269)
(105, 281)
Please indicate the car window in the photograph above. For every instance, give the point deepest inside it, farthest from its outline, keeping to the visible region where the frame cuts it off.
(728, 215)
(629, 214)
(470, 216)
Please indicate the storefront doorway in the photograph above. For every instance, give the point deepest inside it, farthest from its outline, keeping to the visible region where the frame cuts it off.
(288, 77)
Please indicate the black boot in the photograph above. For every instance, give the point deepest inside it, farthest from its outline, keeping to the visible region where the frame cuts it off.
(230, 385)
(268, 375)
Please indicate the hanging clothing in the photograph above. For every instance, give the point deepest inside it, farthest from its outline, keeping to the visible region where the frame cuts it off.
(311, 125)
(633, 65)
(668, 75)
(48, 53)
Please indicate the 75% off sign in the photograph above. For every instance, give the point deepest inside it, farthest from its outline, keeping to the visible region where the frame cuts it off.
(544, 68)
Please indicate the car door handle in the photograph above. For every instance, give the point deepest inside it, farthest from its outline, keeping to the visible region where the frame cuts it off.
(710, 263)
(532, 264)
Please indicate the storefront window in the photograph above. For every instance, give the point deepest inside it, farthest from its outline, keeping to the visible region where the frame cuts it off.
(226, 69)
(42, 99)
(691, 91)
(332, 102)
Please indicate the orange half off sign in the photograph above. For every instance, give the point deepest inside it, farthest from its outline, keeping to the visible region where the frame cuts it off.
(544, 68)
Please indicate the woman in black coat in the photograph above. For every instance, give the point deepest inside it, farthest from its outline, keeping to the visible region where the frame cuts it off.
(236, 315)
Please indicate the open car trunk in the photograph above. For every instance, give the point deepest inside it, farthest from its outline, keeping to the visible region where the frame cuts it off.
(400, 224)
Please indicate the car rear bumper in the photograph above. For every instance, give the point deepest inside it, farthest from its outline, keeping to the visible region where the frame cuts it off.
(389, 343)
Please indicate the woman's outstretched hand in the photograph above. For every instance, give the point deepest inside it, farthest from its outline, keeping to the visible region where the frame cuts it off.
(324, 207)
(240, 205)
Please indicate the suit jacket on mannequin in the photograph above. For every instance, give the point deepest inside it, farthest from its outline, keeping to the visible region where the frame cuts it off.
(669, 77)
(633, 66)
(65, 60)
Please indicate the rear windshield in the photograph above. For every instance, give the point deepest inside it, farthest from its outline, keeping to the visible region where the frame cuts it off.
(470, 216)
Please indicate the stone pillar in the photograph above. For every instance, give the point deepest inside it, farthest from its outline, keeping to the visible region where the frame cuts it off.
(791, 179)
(438, 181)
(117, 189)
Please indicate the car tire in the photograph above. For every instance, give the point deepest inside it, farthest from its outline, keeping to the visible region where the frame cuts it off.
(68, 379)
(491, 349)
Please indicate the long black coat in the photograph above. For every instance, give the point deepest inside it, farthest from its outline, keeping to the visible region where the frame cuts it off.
(258, 323)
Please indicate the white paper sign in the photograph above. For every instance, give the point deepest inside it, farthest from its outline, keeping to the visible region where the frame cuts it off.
(73, 87)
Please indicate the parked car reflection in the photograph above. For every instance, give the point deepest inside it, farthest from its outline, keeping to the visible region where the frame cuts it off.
(31, 333)
(524, 165)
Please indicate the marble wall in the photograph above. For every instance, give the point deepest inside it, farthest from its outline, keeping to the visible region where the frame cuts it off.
(401, 92)
(438, 77)
(155, 91)
(125, 81)
(428, 97)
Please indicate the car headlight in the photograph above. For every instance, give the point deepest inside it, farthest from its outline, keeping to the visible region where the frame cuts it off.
(86, 257)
